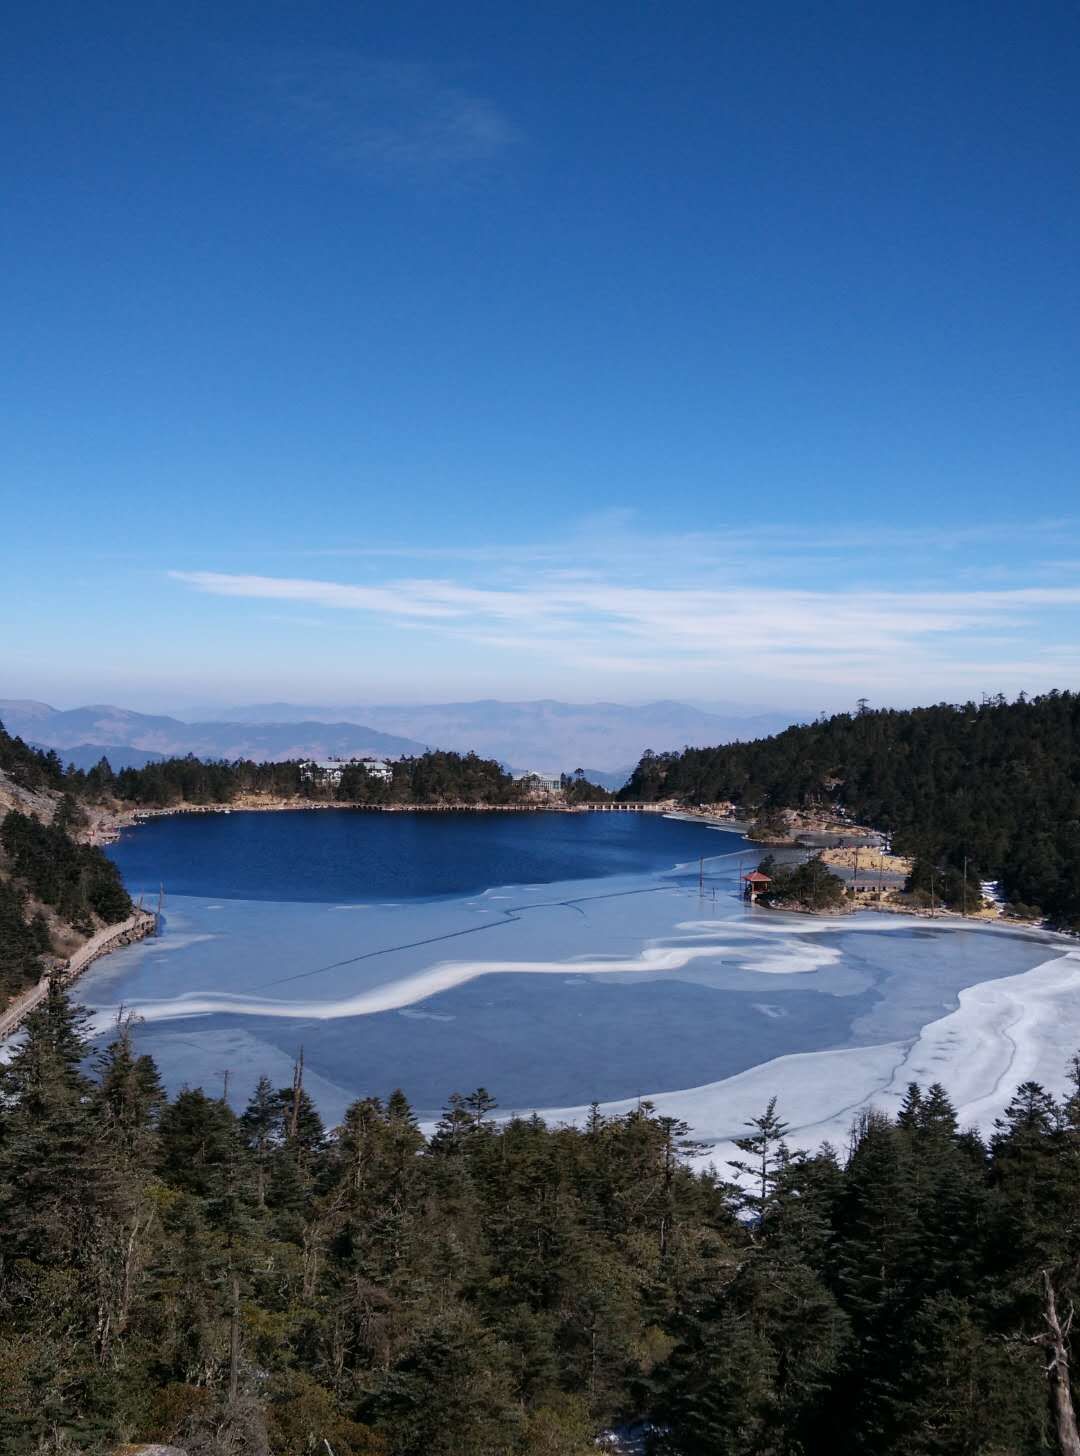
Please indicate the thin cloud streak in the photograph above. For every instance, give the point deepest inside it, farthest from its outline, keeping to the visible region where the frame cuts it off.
(765, 553)
(377, 116)
(795, 634)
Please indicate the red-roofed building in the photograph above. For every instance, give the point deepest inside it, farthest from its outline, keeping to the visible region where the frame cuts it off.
(756, 883)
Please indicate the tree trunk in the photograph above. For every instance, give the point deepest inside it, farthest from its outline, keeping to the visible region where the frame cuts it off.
(297, 1088)
(1057, 1372)
(234, 1342)
(130, 1261)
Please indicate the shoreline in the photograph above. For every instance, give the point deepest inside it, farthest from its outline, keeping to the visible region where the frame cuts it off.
(107, 827)
(139, 925)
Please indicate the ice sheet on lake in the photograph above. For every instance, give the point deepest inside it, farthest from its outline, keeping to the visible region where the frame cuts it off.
(401, 957)
(301, 970)
(653, 960)
(1004, 1032)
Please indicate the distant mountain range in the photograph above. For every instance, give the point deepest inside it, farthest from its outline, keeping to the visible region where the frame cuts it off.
(86, 755)
(104, 726)
(543, 734)
(606, 739)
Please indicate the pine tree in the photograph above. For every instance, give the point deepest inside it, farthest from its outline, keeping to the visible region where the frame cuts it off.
(874, 1265)
(129, 1093)
(260, 1125)
(766, 1154)
(45, 1134)
(199, 1142)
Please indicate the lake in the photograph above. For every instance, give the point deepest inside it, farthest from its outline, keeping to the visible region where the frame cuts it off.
(559, 960)
(329, 856)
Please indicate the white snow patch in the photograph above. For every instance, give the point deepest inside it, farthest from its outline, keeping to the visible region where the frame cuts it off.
(1004, 1032)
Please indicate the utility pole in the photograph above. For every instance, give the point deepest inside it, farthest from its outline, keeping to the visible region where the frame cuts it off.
(297, 1090)
(964, 894)
(932, 905)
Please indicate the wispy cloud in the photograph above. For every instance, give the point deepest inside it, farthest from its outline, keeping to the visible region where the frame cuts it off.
(395, 118)
(619, 539)
(698, 630)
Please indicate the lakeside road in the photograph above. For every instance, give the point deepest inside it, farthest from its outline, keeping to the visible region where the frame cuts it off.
(137, 926)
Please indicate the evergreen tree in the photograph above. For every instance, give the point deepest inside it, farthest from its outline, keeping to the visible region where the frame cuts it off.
(260, 1125)
(766, 1155)
(45, 1135)
(169, 1271)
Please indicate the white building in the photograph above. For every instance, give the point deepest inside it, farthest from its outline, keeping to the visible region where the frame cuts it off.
(378, 768)
(549, 783)
(322, 770)
(329, 771)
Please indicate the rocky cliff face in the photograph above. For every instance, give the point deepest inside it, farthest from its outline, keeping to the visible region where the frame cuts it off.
(39, 802)
(47, 912)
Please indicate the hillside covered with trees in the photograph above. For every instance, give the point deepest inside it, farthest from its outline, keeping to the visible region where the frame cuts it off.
(995, 782)
(435, 777)
(50, 885)
(251, 1284)
(429, 778)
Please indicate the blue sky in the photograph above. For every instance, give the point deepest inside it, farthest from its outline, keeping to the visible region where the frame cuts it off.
(422, 352)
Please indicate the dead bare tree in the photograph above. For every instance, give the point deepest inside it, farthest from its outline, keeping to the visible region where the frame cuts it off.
(1055, 1340)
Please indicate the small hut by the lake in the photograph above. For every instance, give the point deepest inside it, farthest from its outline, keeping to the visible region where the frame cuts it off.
(755, 884)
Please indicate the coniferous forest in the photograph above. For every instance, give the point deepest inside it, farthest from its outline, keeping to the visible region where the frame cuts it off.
(253, 1283)
(435, 777)
(996, 783)
(45, 874)
(428, 778)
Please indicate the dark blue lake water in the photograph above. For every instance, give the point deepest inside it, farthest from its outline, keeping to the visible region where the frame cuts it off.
(353, 857)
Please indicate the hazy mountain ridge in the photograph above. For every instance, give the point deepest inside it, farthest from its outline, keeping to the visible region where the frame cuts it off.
(86, 755)
(546, 734)
(105, 726)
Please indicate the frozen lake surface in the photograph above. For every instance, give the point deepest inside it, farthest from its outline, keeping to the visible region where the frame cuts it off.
(581, 985)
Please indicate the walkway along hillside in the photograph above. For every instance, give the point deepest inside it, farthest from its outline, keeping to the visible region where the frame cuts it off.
(136, 927)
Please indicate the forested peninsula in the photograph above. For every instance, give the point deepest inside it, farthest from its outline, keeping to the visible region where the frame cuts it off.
(994, 783)
(435, 777)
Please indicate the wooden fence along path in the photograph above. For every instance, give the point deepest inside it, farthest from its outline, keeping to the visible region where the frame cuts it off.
(135, 927)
